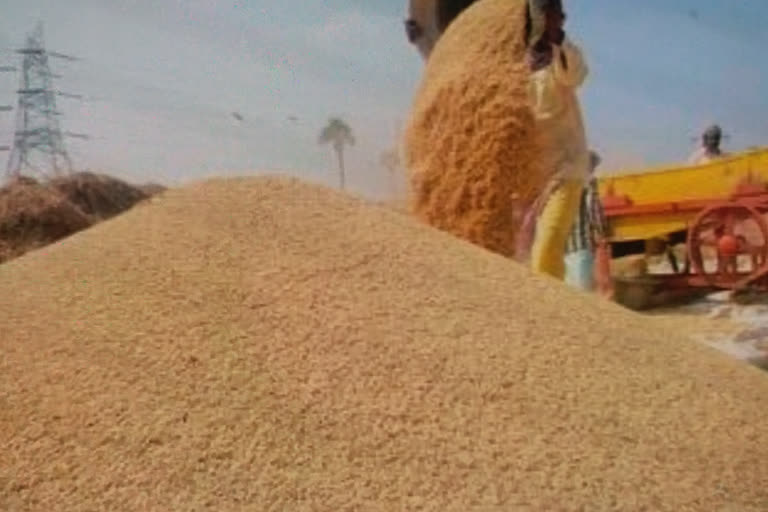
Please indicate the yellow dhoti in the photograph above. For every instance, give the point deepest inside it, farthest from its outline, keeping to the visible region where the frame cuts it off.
(553, 228)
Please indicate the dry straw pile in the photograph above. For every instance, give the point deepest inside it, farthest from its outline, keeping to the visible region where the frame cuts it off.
(33, 214)
(470, 142)
(260, 344)
(99, 195)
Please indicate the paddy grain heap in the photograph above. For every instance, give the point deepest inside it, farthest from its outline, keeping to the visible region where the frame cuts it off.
(261, 344)
(470, 142)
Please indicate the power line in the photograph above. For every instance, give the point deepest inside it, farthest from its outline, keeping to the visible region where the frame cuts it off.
(64, 57)
(69, 95)
(77, 135)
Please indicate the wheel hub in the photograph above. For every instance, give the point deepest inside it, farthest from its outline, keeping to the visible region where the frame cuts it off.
(728, 245)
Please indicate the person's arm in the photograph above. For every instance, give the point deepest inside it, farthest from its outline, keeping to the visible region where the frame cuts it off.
(568, 64)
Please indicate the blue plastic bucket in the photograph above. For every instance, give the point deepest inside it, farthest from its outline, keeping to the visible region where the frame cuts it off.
(579, 270)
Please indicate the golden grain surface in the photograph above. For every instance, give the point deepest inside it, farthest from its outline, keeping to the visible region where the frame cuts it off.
(262, 344)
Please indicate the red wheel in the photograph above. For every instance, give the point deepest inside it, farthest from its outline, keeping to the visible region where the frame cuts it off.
(728, 245)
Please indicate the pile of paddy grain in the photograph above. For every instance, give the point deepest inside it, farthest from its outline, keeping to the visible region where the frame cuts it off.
(262, 344)
(470, 143)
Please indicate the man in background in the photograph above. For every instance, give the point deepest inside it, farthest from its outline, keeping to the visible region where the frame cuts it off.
(710, 147)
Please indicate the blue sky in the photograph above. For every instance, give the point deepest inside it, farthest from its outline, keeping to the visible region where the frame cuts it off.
(164, 75)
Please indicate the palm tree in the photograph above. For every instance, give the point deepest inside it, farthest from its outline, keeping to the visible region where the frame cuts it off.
(338, 134)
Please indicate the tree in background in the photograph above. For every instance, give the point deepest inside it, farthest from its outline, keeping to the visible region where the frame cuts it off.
(338, 134)
(392, 161)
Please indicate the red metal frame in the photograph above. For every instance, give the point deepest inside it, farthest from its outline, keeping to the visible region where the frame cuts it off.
(751, 194)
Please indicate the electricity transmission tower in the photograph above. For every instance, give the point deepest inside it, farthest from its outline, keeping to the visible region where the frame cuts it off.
(38, 142)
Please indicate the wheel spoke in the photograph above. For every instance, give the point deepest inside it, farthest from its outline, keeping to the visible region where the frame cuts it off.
(710, 224)
(729, 266)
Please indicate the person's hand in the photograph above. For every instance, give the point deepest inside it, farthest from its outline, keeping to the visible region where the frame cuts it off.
(540, 54)
(554, 27)
(556, 36)
(543, 45)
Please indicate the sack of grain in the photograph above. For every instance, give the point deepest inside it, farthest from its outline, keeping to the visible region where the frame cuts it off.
(470, 143)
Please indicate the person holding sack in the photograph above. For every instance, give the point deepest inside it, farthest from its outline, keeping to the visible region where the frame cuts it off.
(557, 70)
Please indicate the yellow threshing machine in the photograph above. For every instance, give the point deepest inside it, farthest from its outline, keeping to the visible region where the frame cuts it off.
(717, 210)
